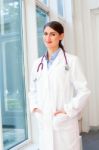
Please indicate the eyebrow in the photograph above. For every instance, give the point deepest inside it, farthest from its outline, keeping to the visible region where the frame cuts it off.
(50, 32)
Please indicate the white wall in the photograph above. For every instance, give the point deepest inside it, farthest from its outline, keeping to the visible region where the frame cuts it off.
(93, 4)
(69, 28)
(86, 22)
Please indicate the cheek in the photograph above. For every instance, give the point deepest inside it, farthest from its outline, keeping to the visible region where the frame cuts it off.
(56, 40)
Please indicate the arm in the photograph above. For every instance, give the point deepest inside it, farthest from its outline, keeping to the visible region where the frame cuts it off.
(77, 103)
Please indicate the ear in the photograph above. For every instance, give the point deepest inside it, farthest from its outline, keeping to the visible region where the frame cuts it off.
(61, 36)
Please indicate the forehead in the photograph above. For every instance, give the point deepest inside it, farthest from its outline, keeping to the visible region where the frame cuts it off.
(49, 29)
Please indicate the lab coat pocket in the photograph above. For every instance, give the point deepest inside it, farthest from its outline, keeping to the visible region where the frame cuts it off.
(59, 121)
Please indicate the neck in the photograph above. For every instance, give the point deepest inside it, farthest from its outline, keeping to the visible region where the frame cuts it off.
(51, 51)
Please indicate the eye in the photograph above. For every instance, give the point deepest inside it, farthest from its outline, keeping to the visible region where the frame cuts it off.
(53, 34)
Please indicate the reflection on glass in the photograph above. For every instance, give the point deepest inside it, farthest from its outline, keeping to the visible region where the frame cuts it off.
(41, 20)
(10, 16)
(45, 1)
(60, 5)
(12, 84)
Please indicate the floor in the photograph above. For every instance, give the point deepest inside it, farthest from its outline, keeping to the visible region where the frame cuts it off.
(90, 140)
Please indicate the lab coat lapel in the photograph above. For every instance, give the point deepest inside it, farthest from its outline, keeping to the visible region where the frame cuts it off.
(57, 61)
(47, 72)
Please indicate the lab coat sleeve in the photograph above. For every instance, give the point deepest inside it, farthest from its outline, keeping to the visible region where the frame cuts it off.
(77, 102)
(33, 91)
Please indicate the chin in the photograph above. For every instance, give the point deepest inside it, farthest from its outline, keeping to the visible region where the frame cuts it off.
(49, 46)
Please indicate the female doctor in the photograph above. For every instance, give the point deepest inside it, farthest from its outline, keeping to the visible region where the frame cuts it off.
(58, 93)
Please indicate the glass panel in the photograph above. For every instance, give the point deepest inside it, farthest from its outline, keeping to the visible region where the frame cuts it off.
(12, 80)
(41, 20)
(10, 14)
(60, 4)
(45, 1)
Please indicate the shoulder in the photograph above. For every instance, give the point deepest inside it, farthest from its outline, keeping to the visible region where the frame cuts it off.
(71, 58)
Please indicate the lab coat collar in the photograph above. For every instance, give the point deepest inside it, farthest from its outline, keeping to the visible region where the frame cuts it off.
(58, 59)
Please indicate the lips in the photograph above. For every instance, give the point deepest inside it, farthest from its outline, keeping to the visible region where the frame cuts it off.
(49, 42)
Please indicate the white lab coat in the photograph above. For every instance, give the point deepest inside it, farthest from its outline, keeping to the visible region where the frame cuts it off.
(58, 89)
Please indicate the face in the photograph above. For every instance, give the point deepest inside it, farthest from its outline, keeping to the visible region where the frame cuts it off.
(51, 38)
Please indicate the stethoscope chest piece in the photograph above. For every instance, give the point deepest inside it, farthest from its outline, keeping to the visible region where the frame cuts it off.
(66, 67)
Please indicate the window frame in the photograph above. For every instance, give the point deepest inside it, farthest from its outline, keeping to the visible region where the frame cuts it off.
(44, 2)
(43, 6)
(61, 17)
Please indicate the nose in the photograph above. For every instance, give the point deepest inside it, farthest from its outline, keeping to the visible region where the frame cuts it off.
(48, 38)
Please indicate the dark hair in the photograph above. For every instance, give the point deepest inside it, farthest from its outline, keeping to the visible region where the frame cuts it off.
(58, 27)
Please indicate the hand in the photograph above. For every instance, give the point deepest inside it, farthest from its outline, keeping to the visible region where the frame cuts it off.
(59, 112)
(37, 110)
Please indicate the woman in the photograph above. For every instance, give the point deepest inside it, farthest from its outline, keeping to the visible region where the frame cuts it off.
(58, 93)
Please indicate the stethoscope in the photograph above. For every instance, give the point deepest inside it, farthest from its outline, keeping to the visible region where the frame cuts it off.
(41, 63)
